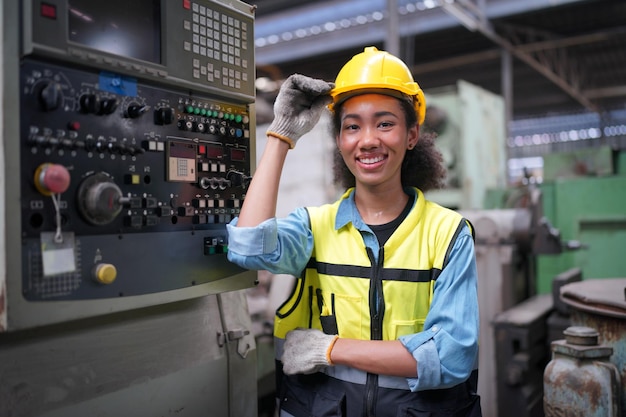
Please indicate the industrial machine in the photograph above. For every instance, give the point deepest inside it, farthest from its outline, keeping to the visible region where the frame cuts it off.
(584, 197)
(507, 243)
(126, 149)
(470, 125)
(580, 195)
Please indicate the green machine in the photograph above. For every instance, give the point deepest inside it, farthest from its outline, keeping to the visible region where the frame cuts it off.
(584, 196)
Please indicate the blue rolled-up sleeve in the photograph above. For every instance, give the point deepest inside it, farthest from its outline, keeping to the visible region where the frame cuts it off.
(281, 246)
(446, 350)
(252, 241)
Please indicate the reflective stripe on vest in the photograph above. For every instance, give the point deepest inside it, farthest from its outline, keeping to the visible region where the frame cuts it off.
(337, 284)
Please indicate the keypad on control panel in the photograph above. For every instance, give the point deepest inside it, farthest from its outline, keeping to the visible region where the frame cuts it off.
(217, 40)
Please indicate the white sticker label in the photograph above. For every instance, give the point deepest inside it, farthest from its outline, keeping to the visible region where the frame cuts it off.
(57, 257)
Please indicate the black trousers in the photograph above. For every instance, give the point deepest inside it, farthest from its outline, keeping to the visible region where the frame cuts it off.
(319, 395)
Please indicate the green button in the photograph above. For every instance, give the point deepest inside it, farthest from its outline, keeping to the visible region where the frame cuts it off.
(238, 118)
(189, 109)
(203, 112)
(214, 113)
(196, 111)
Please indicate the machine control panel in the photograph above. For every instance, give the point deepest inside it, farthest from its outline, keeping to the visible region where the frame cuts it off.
(98, 164)
(204, 45)
(136, 122)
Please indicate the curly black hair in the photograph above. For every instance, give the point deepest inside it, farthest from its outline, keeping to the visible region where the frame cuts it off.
(422, 167)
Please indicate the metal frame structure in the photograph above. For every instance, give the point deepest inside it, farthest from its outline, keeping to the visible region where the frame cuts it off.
(291, 36)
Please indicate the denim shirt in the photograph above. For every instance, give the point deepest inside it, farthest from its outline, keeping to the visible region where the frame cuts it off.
(446, 350)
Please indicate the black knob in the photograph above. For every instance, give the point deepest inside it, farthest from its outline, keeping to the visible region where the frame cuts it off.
(198, 127)
(237, 178)
(90, 144)
(101, 146)
(115, 147)
(164, 116)
(108, 105)
(135, 110)
(50, 97)
(89, 103)
(185, 125)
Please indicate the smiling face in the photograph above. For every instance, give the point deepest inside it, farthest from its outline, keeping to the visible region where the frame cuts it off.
(373, 139)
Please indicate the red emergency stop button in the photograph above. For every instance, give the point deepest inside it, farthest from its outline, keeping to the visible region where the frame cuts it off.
(51, 179)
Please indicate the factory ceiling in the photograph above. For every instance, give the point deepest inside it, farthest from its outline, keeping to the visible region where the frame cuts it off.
(546, 57)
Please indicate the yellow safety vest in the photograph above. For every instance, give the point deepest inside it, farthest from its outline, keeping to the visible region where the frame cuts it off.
(344, 289)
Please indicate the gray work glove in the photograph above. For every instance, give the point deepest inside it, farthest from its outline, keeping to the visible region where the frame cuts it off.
(298, 107)
(307, 351)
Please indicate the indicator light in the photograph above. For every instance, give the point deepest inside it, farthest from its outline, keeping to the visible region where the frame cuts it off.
(49, 11)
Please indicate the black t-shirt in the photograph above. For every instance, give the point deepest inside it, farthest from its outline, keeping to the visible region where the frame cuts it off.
(384, 231)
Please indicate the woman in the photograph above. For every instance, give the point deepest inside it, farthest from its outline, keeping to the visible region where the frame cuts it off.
(384, 317)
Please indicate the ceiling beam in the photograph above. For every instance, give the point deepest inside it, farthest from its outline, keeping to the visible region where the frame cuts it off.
(272, 48)
(546, 54)
(495, 53)
(456, 61)
(615, 91)
(559, 71)
(566, 42)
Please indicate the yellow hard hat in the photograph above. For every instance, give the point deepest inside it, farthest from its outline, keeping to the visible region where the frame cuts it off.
(375, 70)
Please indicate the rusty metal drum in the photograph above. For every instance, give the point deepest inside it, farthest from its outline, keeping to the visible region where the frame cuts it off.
(601, 305)
(580, 381)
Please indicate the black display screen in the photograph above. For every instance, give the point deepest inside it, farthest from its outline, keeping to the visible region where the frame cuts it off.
(127, 28)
